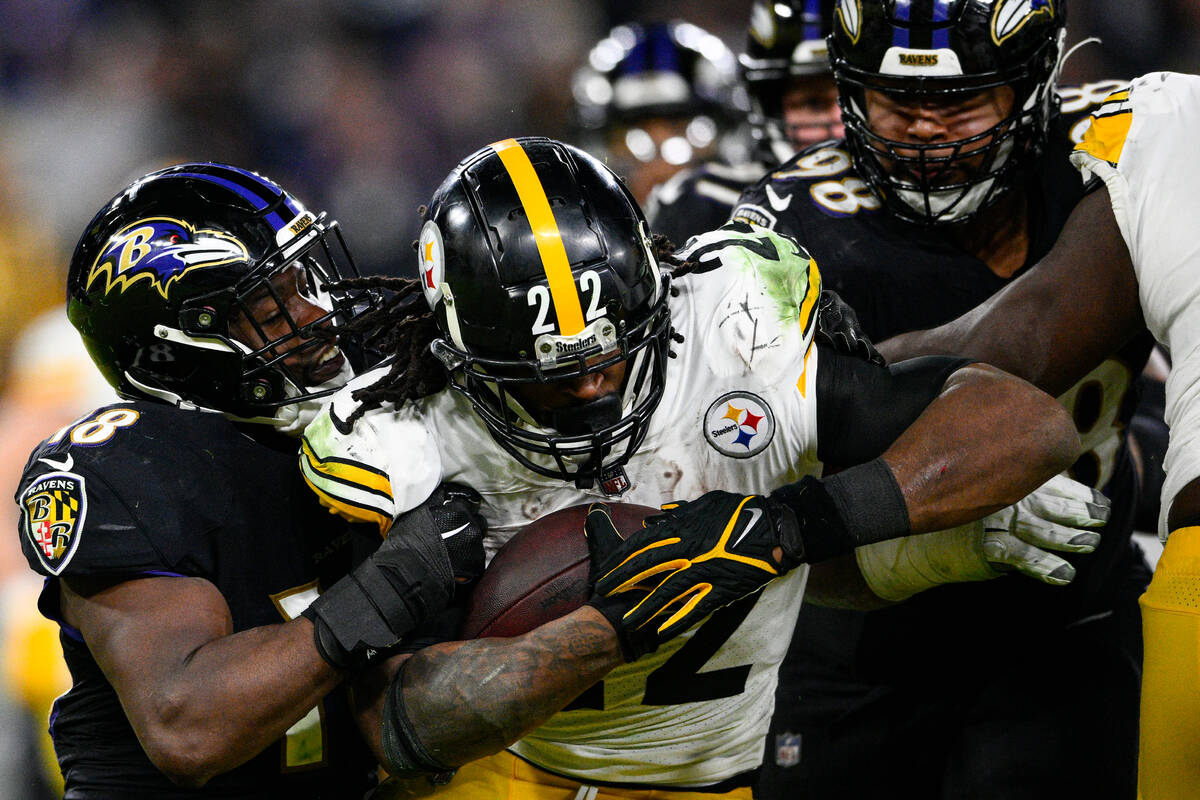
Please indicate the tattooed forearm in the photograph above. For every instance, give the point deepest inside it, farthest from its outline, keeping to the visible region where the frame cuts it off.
(470, 699)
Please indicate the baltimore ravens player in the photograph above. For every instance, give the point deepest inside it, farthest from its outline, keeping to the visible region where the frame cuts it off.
(793, 104)
(179, 544)
(559, 365)
(953, 178)
(1128, 246)
(653, 99)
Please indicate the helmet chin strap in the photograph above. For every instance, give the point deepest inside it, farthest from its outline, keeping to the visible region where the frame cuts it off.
(290, 420)
(591, 417)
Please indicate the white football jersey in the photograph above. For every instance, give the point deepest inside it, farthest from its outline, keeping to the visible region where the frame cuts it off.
(1142, 143)
(738, 413)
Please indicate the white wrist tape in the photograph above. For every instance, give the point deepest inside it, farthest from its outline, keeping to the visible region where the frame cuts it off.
(899, 568)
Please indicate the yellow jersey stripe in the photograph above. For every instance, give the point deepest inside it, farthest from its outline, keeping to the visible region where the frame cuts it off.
(567, 307)
(342, 471)
(809, 304)
(1105, 136)
(351, 511)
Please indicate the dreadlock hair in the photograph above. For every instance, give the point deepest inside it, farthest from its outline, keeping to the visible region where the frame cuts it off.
(404, 327)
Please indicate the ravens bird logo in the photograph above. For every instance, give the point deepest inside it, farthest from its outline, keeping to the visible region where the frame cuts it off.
(161, 250)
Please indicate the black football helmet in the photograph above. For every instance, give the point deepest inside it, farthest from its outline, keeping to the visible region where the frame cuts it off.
(786, 39)
(947, 49)
(164, 269)
(538, 266)
(672, 70)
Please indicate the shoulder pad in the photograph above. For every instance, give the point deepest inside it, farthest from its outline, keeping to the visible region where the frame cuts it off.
(774, 196)
(756, 261)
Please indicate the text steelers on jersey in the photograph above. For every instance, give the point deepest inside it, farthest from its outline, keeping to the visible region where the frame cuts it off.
(739, 424)
(53, 508)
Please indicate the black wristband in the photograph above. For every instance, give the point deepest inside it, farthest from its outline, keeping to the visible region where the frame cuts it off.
(870, 502)
(403, 753)
(854, 507)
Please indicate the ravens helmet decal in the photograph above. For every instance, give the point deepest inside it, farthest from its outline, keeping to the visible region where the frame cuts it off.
(1011, 16)
(162, 250)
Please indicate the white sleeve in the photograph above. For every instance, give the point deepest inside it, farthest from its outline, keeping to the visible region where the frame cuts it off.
(1141, 143)
(384, 464)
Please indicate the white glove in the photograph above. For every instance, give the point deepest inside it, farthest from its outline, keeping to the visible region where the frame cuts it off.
(1018, 537)
(1050, 518)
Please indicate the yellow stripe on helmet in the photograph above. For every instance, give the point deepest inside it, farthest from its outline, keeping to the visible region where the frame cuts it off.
(550, 247)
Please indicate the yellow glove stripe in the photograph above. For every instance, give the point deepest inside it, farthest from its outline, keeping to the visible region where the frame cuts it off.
(702, 588)
(635, 554)
(668, 566)
(720, 552)
(698, 592)
(757, 563)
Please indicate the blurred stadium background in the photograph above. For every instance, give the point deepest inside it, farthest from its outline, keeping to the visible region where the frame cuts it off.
(360, 107)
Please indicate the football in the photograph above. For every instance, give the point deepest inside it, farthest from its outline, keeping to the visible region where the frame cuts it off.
(541, 573)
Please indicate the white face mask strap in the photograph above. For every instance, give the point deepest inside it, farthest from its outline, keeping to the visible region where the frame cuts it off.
(452, 326)
(648, 246)
(203, 342)
(639, 365)
(510, 402)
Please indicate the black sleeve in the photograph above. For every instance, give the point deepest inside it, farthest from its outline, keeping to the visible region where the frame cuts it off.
(862, 408)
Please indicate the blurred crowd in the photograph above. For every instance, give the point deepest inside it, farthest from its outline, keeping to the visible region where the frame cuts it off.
(358, 106)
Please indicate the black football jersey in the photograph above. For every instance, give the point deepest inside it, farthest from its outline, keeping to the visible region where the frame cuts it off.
(143, 489)
(699, 199)
(901, 277)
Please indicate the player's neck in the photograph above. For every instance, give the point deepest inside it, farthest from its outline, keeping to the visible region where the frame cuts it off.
(999, 236)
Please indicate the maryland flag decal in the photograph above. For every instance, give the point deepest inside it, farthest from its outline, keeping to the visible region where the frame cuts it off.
(53, 509)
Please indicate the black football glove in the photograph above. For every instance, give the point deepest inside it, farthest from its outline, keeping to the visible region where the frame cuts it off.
(694, 558)
(463, 531)
(407, 581)
(606, 547)
(838, 327)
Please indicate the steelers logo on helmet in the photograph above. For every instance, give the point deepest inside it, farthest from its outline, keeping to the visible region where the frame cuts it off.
(160, 251)
(431, 253)
(548, 277)
(739, 424)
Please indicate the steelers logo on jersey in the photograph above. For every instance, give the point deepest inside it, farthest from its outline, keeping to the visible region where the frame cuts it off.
(53, 510)
(739, 424)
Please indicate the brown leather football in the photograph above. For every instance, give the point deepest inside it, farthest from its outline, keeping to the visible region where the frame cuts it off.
(541, 573)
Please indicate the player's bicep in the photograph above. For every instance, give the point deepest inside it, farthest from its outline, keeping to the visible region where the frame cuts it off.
(862, 408)
(1060, 319)
(143, 631)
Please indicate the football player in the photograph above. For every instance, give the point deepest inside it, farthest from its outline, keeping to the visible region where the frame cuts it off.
(183, 555)
(560, 364)
(1126, 260)
(654, 99)
(954, 177)
(793, 104)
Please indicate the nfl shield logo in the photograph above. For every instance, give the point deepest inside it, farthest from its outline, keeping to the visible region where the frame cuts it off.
(614, 481)
(787, 749)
